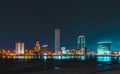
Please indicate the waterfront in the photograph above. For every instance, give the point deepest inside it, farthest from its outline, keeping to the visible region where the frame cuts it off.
(61, 64)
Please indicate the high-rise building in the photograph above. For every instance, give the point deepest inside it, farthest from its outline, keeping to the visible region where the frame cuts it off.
(19, 48)
(104, 48)
(81, 43)
(37, 46)
(57, 40)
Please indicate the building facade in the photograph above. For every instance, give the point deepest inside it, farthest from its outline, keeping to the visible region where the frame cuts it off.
(104, 48)
(81, 44)
(57, 41)
(37, 47)
(19, 48)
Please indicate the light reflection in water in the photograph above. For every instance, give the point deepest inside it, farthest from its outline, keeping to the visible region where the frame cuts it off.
(115, 58)
(81, 58)
(62, 57)
(119, 59)
(20, 57)
(57, 57)
(45, 57)
(57, 68)
(69, 57)
(38, 57)
(99, 58)
(103, 58)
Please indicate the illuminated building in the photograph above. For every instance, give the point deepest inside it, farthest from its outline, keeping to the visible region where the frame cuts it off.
(19, 48)
(45, 48)
(104, 48)
(81, 43)
(37, 46)
(63, 50)
(57, 40)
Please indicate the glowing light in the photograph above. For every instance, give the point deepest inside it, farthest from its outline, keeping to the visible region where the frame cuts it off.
(3, 57)
(45, 57)
(57, 68)
(81, 58)
(44, 45)
(57, 57)
(20, 57)
(104, 58)
(63, 49)
(104, 48)
(104, 42)
(19, 48)
(14, 57)
(45, 54)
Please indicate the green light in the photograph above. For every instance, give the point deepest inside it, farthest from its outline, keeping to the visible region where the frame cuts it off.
(57, 68)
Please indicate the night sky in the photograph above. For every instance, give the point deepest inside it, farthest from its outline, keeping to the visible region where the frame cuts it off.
(31, 20)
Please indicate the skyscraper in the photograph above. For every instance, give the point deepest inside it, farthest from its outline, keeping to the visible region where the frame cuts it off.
(57, 40)
(81, 44)
(19, 48)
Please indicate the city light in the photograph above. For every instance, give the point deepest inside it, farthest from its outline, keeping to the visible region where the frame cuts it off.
(103, 48)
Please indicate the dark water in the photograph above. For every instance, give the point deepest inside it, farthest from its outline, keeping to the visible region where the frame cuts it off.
(58, 63)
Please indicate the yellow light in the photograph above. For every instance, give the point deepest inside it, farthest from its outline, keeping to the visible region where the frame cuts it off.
(3, 57)
(14, 57)
(3, 51)
(8, 57)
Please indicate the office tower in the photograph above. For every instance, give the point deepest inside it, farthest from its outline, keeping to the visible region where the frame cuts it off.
(19, 48)
(104, 48)
(57, 40)
(37, 46)
(81, 42)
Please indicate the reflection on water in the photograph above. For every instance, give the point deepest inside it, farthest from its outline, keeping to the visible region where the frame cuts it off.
(62, 57)
(81, 58)
(37, 63)
(57, 68)
(119, 59)
(69, 57)
(103, 58)
(45, 57)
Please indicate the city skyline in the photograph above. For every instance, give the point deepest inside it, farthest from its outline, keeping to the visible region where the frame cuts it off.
(59, 36)
(30, 21)
(81, 43)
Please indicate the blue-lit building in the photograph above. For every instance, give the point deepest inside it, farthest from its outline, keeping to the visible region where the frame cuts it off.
(81, 44)
(104, 48)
